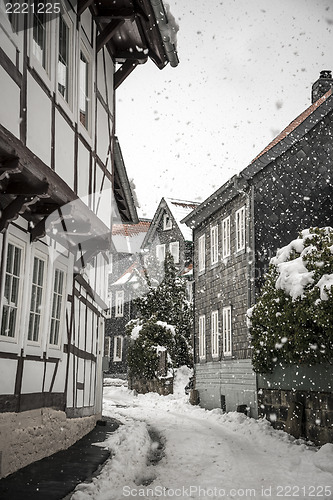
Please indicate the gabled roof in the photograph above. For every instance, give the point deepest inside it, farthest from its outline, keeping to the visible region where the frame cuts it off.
(178, 209)
(297, 129)
(132, 275)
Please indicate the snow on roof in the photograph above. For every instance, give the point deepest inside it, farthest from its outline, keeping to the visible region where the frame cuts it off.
(131, 229)
(128, 238)
(179, 210)
(131, 275)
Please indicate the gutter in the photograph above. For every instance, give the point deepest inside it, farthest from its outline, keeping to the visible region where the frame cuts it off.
(125, 185)
(165, 28)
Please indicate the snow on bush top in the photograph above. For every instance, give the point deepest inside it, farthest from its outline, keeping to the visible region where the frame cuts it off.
(294, 272)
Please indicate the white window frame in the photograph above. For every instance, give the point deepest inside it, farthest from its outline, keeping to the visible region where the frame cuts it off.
(68, 103)
(215, 333)
(227, 331)
(117, 338)
(59, 317)
(87, 129)
(202, 253)
(47, 72)
(214, 245)
(189, 290)
(174, 250)
(167, 222)
(240, 229)
(226, 251)
(107, 346)
(119, 304)
(108, 312)
(21, 245)
(42, 257)
(202, 337)
(160, 252)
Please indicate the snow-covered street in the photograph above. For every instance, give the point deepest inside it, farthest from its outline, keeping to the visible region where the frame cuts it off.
(204, 454)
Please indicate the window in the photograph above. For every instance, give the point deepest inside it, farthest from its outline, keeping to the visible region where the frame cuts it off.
(108, 312)
(107, 347)
(84, 90)
(13, 16)
(174, 250)
(215, 333)
(214, 247)
(202, 337)
(167, 222)
(57, 306)
(63, 58)
(226, 237)
(201, 251)
(39, 35)
(119, 312)
(36, 299)
(12, 291)
(189, 291)
(160, 252)
(118, 348)
(240, 229)
(226, 333)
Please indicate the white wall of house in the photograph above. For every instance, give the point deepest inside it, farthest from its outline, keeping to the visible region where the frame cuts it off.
(70, 368)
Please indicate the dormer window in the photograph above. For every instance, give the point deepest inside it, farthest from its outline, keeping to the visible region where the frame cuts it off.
(167, 222)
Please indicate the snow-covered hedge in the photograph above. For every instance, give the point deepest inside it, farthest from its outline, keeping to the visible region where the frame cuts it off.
(292, 321)
(148, 339)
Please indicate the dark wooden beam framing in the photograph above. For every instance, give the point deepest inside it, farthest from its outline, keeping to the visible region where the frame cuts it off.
(10, 166)
(108, 33)
(134, 55)
(38, 230)
(10, 68)
(18, 188)
(123, 72)
(16, 207)
(82, 5)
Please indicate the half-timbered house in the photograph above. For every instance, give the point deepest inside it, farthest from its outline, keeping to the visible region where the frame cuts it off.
(285, 189)
(61, 177)
(168, 234)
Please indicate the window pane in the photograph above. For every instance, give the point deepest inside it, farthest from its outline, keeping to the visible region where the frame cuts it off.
(11, 291)
(56, 306)
(63, 59)
(36, 299)
(39, 35)
(83, 90)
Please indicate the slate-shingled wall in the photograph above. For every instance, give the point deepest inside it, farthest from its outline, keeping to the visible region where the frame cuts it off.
(225, 382)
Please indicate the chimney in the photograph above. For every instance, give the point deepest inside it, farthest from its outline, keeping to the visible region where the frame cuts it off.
(322, 85)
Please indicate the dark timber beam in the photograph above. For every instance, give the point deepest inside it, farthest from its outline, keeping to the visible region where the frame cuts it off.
(38, 230)
(18, 188)
(10, 166)
(135, 55)
(108, 33)
(123, 72)
(82, 5)
(14, 209)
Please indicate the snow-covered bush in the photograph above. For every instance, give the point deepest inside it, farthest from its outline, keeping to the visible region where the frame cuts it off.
(148, 340)
(292, 321)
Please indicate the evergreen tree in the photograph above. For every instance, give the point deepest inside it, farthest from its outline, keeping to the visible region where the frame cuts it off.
(163, 304)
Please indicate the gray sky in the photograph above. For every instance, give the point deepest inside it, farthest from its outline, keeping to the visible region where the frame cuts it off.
(246, 70)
